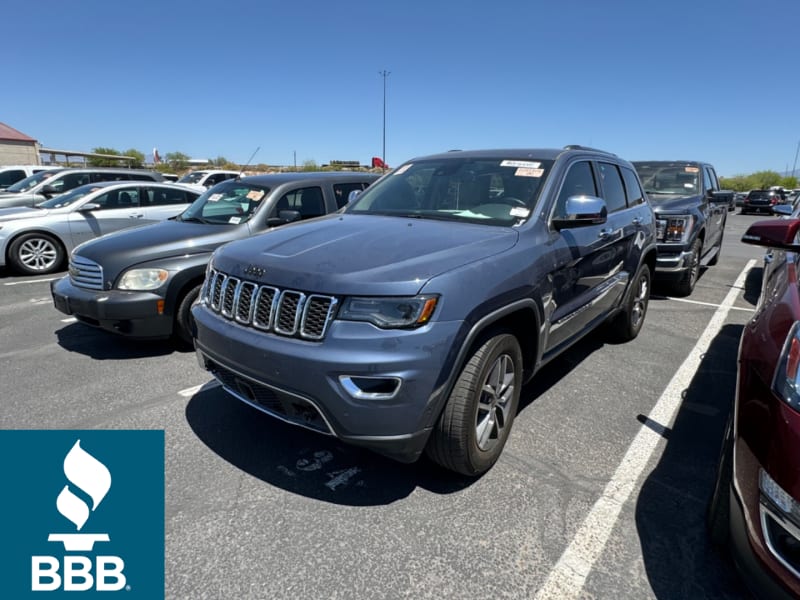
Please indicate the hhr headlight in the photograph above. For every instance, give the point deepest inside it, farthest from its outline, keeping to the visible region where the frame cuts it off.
(389, 313)
(142, 280)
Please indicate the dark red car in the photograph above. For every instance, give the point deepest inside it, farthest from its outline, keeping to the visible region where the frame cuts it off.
(755, 506)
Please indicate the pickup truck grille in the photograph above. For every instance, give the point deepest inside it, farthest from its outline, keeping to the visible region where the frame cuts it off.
(285, 312)
(85, 273)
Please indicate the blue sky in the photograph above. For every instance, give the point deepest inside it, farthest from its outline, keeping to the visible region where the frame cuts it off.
(713, 80)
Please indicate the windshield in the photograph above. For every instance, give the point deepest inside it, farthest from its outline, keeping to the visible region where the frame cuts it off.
(71, 197)
(487, 190)
(29, 182)
(669, 178)
(193, 177)
(232, 202)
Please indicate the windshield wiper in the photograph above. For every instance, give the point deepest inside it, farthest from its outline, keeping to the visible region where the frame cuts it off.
(193, 220)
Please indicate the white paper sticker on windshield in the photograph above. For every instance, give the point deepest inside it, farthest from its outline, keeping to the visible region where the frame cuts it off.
(255, 195)
(526, 164)
(215, 197)
(526, 172)
(689, 186)
(520, 211)
(691, 169)
(403, 169)
(235, 220)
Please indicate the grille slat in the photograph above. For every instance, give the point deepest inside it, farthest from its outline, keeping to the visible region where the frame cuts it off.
(284, 312)
(85, 273)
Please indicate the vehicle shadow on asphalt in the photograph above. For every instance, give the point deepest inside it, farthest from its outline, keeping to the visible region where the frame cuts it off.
(304, 462)
(670, 510)
(102, 345)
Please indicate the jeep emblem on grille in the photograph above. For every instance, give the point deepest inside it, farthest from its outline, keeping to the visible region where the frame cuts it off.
(254, 271)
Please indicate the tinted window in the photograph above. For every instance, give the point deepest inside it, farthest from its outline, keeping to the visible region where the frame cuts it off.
(709, 180)
(308, 202)
(342, 192)
(578, 182)
(9, 177)
(139, 177)
(164, 196)
(633, 191)
(121, 198)
(69, 181)
(613, 190)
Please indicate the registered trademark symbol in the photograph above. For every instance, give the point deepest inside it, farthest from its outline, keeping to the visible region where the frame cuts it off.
(127, 588)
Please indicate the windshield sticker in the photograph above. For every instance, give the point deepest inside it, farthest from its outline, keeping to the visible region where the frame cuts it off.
(692, 169)
(235, 220)
(525, 164)
(403, 169)
(215, 197)
(526, 172)
(519, 211)
(255, 195)
(689, 186)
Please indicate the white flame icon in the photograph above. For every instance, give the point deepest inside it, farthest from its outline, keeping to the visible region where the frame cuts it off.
(87, 474)
(91, 476)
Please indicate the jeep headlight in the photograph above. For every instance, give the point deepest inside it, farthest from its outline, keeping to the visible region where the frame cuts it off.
(143, 279)
(674, 229)
(389, 313)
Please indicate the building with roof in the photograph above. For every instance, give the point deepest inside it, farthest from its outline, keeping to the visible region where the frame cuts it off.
(16, 148)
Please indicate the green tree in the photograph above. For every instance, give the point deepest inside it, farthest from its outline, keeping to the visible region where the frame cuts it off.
(94, 161)
(138, 163)
(309, 165)
(177, 161)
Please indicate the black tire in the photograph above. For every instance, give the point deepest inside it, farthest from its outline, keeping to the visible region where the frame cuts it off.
(36, 254)
(455, 442)
(685, 285)
(184, 322)
(626, 325)
(715, 260)
(718, 513)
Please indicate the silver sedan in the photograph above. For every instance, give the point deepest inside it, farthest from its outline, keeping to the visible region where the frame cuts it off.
(37, 240)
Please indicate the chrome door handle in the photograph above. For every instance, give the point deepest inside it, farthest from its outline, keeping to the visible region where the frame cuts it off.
(604, 233)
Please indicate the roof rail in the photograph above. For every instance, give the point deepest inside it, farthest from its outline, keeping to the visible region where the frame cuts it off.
(579, 147)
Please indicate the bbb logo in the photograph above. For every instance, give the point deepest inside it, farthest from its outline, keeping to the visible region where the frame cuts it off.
(92, 477)
(84, 514)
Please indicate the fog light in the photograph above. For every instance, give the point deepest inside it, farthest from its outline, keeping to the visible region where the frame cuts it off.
(776, 494)
(370, 388)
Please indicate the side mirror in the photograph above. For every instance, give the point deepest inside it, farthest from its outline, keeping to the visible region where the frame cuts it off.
(89, 207)
(774, 233)
(783, 210)
(719, 196)
(284, 217)
(49, 190)
(582, 211)
(352, 195)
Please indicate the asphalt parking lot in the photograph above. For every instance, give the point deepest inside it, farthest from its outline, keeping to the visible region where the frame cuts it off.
(600, 492)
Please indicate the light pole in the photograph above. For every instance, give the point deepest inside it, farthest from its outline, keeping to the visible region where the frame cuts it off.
(384, 74)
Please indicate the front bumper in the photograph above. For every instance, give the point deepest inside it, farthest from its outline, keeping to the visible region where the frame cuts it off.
(132, 314)
(672, 261)
(301, 382)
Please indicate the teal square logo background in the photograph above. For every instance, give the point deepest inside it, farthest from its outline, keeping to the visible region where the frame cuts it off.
(131, 513)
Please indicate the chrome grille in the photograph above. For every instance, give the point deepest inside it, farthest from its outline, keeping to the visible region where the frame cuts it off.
(285, 312)
(85, 273)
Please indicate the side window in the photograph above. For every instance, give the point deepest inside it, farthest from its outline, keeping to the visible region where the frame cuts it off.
(11, 177)
(342, 192)
(613, 190)
(307, 201)
(165, 196)
(709, 180)
(578, 182)
(633, 191)
(138, 177)
(70, 181)
(121, 198)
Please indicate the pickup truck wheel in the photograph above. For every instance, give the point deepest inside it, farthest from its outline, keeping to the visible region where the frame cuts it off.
(719, 509)
(474, 425)
(685, 285)
(184, 322)
(36, 254)
(627, 324)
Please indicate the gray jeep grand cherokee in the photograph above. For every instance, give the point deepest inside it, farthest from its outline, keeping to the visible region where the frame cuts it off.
(410, 321)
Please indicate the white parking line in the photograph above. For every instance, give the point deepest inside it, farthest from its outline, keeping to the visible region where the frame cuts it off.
(709, 303)
(568, 576)
(189, 392)
(31, 281)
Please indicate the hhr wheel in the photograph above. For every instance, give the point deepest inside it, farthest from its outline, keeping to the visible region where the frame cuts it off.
(36, 254)
(184, 322)
(474, 425)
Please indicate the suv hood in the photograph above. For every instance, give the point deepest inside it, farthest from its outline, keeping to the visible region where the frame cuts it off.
(671, 204)
(128, 247)
(362, 254)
